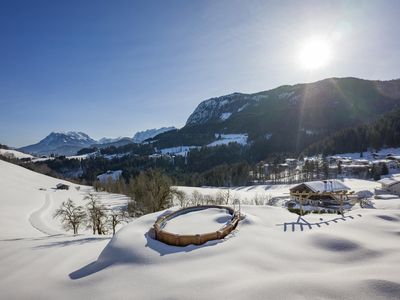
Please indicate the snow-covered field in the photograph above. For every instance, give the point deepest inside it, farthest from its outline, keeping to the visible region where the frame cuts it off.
(180, 150)
(225, 139)
(271, 255)
(14, 154)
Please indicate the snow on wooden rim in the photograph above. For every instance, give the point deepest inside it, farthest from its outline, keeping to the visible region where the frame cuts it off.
(182, 240)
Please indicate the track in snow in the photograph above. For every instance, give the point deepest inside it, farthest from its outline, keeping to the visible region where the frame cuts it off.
(36, 219)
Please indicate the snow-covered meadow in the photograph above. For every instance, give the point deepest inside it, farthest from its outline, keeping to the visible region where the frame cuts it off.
(273, 254)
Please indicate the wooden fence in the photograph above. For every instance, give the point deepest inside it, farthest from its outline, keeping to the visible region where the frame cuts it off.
(196, 239)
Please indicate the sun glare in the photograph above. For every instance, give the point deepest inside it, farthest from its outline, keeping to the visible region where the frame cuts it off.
(315, 53)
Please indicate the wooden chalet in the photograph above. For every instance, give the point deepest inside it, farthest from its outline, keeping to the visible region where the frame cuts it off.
(325, 193)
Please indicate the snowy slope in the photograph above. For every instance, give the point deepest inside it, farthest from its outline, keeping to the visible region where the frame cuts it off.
(14, 154)
(271, 255)
(225, 139)
(27, 197)
(180, 150)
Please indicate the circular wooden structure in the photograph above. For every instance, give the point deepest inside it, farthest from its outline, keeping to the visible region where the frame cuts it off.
(196, 239)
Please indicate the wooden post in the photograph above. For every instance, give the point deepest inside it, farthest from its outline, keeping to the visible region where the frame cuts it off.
(301, 205)
(341, 204)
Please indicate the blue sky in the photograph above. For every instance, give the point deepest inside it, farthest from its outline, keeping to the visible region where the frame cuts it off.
(110, 68)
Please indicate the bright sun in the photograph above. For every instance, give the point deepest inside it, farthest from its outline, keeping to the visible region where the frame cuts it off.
(315, 53)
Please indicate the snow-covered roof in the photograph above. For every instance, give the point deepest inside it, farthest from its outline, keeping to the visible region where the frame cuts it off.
(389, 181)
(382, 161)
(355, 166)
(393, 157)
(324, 186)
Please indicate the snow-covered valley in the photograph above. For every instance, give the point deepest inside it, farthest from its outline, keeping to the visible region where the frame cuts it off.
(273, 254)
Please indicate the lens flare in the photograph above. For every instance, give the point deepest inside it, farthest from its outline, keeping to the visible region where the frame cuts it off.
(315, 53)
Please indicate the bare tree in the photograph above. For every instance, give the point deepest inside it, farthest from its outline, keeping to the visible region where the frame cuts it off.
(181, 197)
(152, 191)
(97, 216)
(116, 217)
(197, 198)
(72, 216)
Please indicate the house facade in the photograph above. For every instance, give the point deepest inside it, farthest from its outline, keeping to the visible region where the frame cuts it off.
(389, 186)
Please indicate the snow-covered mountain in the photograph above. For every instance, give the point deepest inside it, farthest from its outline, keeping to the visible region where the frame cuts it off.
(61, 143)
(324, 103)
(219, 108)
(141, 136)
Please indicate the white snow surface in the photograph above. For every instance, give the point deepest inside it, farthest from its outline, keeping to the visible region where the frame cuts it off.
(14, 154)
(224, 116)
(271, 255)
(225, 139)
(179, 150)
(201, 221)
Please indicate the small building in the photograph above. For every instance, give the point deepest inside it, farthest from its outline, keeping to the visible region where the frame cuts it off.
(320, 193)
(390, 185)
(356, 170)
(62, 186)
(390, 164)
(291, 162)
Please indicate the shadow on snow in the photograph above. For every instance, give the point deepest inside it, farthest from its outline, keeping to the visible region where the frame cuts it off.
(301, 223)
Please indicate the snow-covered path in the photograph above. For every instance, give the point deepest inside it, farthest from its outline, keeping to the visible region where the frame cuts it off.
(36, 218)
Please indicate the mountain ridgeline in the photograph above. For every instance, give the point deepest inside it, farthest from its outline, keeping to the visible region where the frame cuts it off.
(285, 119)
(66, 143)
(288, 118)
(383, 132)
(330, 116)
(71, 143)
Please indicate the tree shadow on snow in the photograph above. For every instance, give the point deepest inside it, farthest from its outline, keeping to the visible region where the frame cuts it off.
(90, 269)
(66, 243)
(41, 238)
(302, 223)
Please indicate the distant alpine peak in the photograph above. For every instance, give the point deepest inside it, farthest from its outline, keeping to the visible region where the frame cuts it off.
(72, 134)
(62, 143)
(141, 136)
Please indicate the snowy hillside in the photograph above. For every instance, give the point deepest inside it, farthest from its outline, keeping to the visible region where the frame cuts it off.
(140, 136)
(225, 139)
(273, 254)
(28, 201)
(14, 154)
